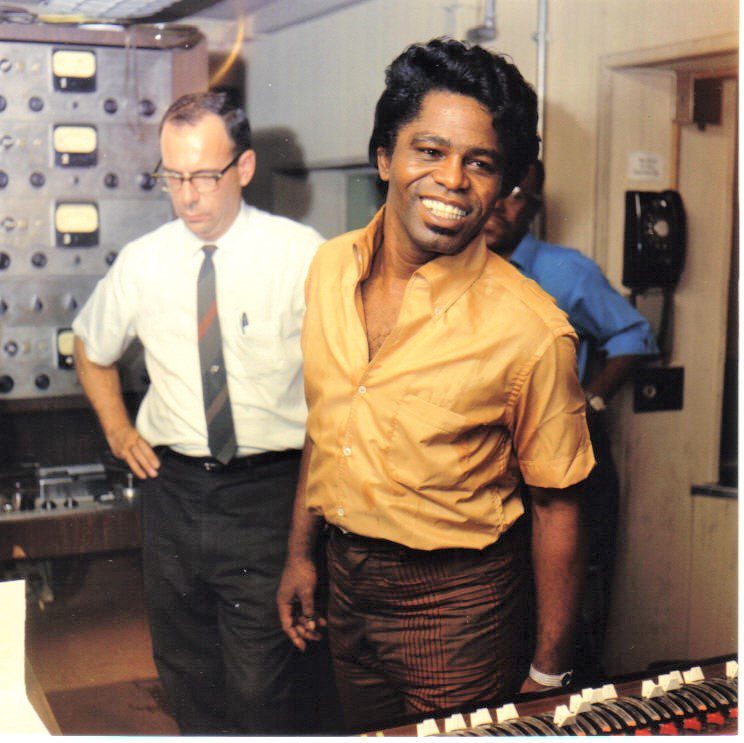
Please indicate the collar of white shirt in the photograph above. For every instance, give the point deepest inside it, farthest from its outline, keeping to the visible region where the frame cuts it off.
(226, 242)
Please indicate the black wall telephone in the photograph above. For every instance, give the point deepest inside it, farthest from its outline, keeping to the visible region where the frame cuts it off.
(655, 237)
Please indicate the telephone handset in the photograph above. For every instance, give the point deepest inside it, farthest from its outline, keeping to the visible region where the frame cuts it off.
(655, 238)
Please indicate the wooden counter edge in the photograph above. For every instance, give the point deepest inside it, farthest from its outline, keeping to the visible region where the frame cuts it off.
(37, 698)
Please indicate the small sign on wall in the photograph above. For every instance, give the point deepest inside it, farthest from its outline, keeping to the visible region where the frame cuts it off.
(645, 166)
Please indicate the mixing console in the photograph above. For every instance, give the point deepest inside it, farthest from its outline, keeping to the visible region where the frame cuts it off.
(699, 700)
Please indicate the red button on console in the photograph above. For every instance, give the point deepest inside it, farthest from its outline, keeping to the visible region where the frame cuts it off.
(715, 718)
(668, 728)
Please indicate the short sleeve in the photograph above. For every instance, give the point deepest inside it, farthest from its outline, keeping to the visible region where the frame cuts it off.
(598, 311)
(551, 438)
(106, 324)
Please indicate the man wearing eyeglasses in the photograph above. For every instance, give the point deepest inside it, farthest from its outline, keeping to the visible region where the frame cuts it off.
(613, 337)
(216, 298)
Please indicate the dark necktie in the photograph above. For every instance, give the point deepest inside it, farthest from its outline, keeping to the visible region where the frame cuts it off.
(220, 429)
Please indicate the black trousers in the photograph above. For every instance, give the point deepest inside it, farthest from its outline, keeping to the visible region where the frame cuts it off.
(214, 545)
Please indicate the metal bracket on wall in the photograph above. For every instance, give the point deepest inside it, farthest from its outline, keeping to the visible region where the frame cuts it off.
(658, 388)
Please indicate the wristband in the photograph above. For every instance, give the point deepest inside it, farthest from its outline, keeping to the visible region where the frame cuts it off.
(596, 402)
(551, 679)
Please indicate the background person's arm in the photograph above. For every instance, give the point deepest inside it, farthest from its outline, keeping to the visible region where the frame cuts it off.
(614, 372)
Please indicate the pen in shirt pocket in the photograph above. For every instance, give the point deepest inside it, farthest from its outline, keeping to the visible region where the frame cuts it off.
(243, 322)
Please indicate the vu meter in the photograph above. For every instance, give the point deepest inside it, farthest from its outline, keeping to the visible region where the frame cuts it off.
(74, 71)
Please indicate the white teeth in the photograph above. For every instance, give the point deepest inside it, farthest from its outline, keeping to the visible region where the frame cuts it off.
(446, 211)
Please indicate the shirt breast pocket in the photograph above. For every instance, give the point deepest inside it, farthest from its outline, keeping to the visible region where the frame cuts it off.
(260, 348)
(424, 453)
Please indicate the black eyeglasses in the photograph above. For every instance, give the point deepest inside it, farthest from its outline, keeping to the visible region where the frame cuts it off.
(521, 195)
(204, 181)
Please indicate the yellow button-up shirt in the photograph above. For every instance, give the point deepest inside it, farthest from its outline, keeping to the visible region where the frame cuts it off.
(474, 390)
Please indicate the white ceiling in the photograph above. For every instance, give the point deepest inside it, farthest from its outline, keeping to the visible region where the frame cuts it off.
(227, 9)
(267, 15)
(272, 15)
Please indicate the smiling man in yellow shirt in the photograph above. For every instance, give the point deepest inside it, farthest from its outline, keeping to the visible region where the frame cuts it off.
(439, 381)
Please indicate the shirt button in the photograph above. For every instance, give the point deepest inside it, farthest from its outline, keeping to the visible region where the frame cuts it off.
(347, 451)
(437, 311)
(341, 511)
(362, 389)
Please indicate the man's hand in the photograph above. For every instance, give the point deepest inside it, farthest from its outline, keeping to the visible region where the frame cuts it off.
(128, 445)
(295, 600)
(103, 387)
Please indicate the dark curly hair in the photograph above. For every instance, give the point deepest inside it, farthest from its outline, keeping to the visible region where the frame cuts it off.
(446, 64)
(192, 107)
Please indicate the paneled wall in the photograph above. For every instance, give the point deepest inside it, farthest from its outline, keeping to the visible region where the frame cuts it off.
(677, 551)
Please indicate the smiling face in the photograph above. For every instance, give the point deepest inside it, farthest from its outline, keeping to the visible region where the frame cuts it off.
(443, 176)
(205, 146)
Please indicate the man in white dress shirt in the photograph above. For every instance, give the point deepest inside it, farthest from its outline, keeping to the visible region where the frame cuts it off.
(215, 519)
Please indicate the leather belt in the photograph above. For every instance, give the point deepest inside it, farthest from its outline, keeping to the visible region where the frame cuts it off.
(515, 533)
(210, 464)
(350, 537)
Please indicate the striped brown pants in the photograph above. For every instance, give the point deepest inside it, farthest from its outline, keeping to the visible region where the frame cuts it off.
(415, 631)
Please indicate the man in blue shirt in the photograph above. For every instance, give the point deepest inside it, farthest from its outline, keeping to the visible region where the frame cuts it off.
(613, 337)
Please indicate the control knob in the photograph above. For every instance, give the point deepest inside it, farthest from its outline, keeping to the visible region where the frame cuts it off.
(146, 181)
(17, 497)
(42, 382)
(47, 504)
(3, 179)
(6, 383)
(146, 107)
(110, 106)
(129, 491)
